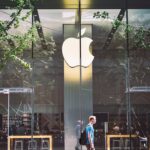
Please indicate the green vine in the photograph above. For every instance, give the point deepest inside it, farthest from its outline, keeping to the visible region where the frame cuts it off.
(137, 34)
(12, 46)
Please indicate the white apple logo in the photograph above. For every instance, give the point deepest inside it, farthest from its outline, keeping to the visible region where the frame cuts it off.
(71, 52)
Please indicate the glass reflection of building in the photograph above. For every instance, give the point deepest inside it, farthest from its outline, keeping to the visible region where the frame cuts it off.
(114, 87)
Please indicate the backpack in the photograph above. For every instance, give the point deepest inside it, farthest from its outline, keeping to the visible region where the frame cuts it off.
(82, 139)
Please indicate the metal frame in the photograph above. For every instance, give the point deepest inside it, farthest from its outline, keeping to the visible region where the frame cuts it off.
(138, 89)
(10, 138)
(109, 136)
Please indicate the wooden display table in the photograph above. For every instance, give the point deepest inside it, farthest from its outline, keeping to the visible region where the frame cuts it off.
(11, 138)
(109, 136)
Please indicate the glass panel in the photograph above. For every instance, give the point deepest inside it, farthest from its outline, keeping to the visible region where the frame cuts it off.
(77, 92)
(48, 103)
(139, 75)
(16, 90)
(49, 75)
(20, 118)
(109, 49)
(100, 79)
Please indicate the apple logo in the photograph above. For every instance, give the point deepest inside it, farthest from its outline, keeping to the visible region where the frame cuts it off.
(71, 51)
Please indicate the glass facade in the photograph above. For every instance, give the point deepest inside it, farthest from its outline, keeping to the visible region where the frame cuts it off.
(106, 74)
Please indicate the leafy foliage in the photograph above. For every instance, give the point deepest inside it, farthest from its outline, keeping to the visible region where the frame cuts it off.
(12, 46)
(138, 35)
(15, 46)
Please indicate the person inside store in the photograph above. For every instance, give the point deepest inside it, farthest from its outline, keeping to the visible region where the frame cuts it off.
(78, 129)
(141, 137)
(90, 133)
(21, 130)
(12, 130)
(116, 128)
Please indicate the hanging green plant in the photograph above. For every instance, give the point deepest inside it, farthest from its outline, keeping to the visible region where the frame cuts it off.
(138, 35)
(13, 45)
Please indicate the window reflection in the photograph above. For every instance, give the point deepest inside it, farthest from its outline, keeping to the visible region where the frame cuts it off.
(109, 101)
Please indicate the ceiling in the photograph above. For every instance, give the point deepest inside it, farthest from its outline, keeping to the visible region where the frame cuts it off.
(92, 4)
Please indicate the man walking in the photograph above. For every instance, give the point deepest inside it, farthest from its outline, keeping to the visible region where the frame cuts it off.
(90, 133)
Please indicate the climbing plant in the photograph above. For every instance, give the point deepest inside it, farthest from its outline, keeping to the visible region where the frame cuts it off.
(137, 34)
(12, 45)
(16, 43)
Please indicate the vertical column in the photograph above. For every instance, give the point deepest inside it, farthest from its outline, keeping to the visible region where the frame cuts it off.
(78, 103)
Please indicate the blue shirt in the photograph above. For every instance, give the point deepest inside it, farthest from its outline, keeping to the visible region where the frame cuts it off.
(89, 130)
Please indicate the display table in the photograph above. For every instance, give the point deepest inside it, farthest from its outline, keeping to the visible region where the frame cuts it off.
(109, 136)
(14, 137)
